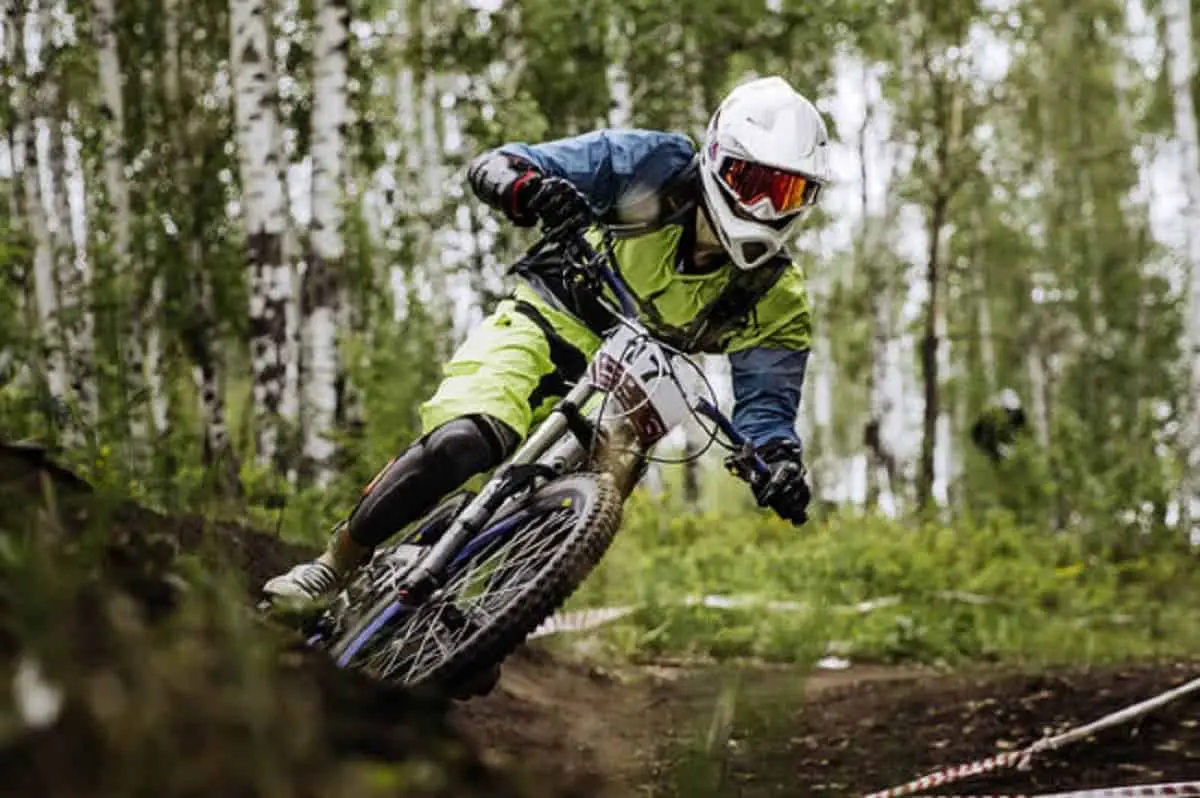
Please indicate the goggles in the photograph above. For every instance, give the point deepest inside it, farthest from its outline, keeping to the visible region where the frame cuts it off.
(754, 184)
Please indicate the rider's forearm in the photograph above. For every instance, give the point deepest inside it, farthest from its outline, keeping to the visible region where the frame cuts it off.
(604, 164)
(767, 384)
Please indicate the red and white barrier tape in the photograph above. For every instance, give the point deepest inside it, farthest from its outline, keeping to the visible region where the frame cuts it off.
(579, 620)
(1181, 788)
(1022, 758)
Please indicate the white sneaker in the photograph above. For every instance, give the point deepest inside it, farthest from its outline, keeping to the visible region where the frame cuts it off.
(306, 583)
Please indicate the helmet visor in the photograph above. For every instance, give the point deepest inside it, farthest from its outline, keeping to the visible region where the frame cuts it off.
(754, 183)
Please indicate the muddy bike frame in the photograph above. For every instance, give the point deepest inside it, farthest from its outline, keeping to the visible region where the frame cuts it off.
(567, 435)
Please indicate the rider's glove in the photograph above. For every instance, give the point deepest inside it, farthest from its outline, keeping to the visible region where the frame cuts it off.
(784, 490)
(506, 183)
(559, 204)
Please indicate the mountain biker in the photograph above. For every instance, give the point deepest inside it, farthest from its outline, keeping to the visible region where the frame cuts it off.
(699, 237)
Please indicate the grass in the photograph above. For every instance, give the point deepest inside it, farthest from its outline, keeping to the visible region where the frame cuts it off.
(875, 589)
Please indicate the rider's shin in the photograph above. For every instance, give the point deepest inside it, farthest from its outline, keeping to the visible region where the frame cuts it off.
(342, 553)
(413, 483)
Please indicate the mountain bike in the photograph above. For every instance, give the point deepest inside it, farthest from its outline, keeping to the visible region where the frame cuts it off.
(494, 564)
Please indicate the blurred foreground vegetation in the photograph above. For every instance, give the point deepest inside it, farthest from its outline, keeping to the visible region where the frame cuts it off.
(134, 666)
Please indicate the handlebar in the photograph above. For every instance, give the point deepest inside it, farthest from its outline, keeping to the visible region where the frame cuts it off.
(745, 461)
(588, 259)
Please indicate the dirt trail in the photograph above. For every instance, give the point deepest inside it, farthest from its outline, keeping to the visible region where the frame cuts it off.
(843, 733)
(571, 728)
(614, 732)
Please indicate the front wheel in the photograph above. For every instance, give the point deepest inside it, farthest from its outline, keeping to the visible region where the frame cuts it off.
(513, 575)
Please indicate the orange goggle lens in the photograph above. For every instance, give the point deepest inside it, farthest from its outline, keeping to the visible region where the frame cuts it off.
(751, 182)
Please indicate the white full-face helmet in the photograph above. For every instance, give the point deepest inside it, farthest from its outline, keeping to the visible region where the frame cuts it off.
(764, 162)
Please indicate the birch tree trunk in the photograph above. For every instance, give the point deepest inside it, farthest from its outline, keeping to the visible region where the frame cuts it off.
(201, 318)
(1181, 70)
(330, 115)
(881, 460)
(930, 360)
(987, 343)
(14, 132)
(140, 360)
(620, 103)
(264, 215)
(44, 282)
(74, 321)
(1039, 394)
(947, 103)
(290, 415)
(74, 281)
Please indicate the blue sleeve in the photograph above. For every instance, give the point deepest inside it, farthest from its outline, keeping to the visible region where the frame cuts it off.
(605, 164)
(767, 383)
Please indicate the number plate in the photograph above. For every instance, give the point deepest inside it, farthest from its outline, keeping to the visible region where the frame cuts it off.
(636, 371)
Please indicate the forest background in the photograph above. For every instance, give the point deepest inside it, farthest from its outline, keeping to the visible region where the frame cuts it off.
(236, 246)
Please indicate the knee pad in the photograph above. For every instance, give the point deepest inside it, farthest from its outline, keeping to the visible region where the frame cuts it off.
(435, 464)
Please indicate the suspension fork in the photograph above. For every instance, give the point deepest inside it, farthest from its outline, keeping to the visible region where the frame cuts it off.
(427, 576)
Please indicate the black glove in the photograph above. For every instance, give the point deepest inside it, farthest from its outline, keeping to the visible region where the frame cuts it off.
(506, 184)
(785, 491)
(523, 194)
(559, 204)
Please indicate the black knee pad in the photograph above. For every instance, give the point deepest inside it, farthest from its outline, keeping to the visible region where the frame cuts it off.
(435, 464)
(466, 446)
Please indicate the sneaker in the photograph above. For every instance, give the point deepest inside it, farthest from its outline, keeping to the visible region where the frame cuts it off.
(305, 584)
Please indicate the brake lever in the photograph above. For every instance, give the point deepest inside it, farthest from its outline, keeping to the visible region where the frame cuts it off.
(745, 463)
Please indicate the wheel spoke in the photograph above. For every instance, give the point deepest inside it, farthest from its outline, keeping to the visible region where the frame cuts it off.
(423, 640)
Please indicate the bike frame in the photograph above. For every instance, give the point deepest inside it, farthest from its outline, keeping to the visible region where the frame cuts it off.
(467, 534)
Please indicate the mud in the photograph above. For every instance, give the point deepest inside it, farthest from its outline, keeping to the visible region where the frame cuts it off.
(879, 735)
(659, 731)
(554, 726)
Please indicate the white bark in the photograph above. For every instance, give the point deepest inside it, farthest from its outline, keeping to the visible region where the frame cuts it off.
(27, 164)
(206, 365)
(292, 356)
(987, 345)
(44, 282)
(156, 366)
(1039, 395)
(330, 115)
(433, 170)
(74, 279)
(1181, 70)
(406, 93)
(206, 373)
(264, 214)
(112, 108)
(946, 467)
(881, 403)
(138, 358)
(620, 99)
(882, 468)
(74, 322)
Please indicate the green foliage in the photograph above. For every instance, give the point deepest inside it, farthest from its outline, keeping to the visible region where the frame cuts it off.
(877, 590)
(1031, 176)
